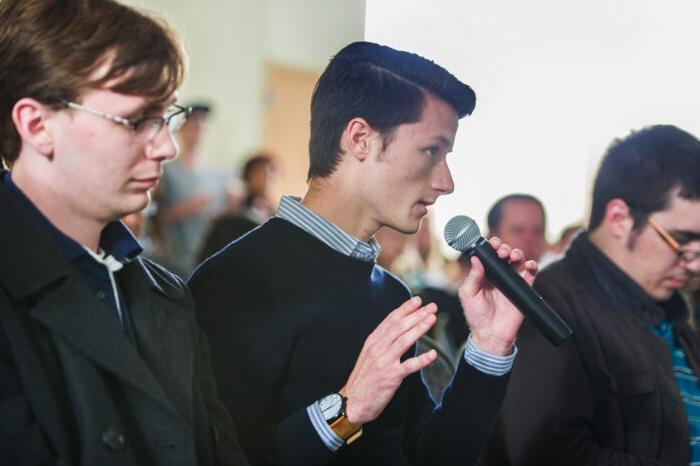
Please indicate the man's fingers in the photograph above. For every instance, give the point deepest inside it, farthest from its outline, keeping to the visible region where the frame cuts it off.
(529, 271)
(410, 321)
(393, 327)
(408, 306)
(503, 251)
(472, 283)
(395, 316)
(417, 363)
(411, 336)
(516, 256)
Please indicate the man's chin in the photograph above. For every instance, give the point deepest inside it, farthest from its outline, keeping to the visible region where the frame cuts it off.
(407, 228)
(663, 294)
(135, 205)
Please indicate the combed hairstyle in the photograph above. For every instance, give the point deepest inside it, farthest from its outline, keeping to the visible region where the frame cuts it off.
(495, 215)
(644, 170)
(49, 50)
(384, 86)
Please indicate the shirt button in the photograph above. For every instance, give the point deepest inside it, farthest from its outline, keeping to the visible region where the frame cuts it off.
(113, 440)
(101, 294)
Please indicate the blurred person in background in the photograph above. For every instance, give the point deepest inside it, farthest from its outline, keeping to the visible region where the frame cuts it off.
(258, 174)
(185, 201)
(557, 250)
(249, 205)
(520, 220)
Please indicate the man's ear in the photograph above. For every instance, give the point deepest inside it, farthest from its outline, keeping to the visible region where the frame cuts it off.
(619, 219)
(30, 117)
(358, 138)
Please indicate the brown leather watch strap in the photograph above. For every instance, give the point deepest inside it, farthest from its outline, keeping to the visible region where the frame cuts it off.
(343, 429)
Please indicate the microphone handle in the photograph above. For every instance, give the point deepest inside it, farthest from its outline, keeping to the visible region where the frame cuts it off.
(516, 289)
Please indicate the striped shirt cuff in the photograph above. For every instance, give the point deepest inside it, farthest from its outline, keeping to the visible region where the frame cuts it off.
(329, 438)
(488, 363)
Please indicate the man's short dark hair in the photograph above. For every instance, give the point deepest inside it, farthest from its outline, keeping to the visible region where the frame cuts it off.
(495, 215)
(386, 87)
(644, 169)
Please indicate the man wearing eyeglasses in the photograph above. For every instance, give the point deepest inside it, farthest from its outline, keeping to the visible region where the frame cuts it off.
(101, 362)
(624, 390)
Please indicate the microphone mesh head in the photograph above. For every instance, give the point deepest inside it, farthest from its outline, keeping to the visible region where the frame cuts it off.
(461, 232)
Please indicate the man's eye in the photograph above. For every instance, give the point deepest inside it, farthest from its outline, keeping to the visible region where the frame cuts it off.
(431, 151)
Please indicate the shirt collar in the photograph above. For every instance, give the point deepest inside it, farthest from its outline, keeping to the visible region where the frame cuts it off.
(619, 287)
(116, 240)
(291, 210)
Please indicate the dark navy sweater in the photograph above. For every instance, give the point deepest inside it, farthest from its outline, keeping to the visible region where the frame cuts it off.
(286, 317)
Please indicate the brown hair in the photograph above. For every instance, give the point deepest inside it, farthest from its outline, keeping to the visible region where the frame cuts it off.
(49, 50)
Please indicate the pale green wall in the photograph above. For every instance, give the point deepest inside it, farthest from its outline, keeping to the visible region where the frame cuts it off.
(230, 42)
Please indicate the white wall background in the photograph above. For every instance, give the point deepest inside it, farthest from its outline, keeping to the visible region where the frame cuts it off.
(556, 81)
(229, 43)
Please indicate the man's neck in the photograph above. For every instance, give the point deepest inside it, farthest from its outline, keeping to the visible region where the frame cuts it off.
(337, 205)
(618, 253)
(607, 246)
(79, 227)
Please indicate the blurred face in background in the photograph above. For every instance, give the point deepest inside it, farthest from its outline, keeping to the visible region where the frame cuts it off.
(260, 179)
(522, 226)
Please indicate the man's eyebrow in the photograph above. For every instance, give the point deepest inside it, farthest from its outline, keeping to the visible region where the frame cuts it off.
(443, 140)
(685, 236)
(150, 108)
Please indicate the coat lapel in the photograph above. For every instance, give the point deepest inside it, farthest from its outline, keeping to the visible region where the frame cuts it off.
(74, 314)
(34, 269)
(163, 333)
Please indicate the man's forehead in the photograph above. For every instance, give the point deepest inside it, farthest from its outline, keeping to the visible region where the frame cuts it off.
(125, 103)
(516, 206)
(682, 215)
(102, 70)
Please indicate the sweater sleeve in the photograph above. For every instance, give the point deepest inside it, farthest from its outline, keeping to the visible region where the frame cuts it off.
(455, 431)
(250, 345)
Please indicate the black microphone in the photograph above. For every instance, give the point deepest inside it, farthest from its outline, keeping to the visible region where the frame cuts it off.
(462, 233)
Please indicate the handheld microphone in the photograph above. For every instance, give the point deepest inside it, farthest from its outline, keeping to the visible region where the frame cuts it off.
(462, 233)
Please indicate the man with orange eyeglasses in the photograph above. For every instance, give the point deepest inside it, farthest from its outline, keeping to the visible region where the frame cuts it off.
(624, 390)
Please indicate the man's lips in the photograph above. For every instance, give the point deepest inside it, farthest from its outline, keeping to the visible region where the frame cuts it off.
(677, 282)
(146, 181)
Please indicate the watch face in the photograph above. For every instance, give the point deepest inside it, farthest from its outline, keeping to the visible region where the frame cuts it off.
(331, 406)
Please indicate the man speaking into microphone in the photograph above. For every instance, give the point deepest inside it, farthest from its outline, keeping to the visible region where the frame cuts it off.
(311, 361)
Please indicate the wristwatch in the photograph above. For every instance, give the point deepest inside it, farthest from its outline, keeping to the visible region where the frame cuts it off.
(333, 411)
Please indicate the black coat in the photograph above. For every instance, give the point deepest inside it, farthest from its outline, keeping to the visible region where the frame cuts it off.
(607, 396)
(73, 389)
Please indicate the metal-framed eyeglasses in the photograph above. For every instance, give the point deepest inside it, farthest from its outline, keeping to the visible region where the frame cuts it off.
(683, 254)
(148, 126)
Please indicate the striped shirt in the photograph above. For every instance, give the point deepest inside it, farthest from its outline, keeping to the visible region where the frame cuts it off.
(291, 210)
(688, 387)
